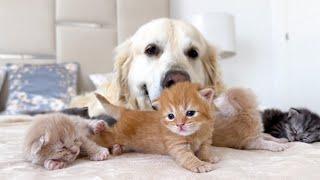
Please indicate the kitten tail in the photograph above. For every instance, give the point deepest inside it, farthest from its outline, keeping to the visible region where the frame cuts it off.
(110, 109)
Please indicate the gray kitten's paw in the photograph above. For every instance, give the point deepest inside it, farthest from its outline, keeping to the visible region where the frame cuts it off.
(54, 164)
(279, 147)
(100, 155)
(98, 126)
(283, 140)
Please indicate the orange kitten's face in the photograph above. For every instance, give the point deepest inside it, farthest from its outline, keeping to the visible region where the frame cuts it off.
(185, 108)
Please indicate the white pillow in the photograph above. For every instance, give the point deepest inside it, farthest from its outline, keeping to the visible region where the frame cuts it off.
(2, 76)
(99, 79)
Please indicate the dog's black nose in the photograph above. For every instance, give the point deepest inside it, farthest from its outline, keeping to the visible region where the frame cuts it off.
(174, 76)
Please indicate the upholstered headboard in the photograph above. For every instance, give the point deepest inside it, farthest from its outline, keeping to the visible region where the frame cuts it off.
(85, 31)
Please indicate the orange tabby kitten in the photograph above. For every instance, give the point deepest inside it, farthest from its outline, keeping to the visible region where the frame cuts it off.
(55, 140)
(182, 127)
(239, 125)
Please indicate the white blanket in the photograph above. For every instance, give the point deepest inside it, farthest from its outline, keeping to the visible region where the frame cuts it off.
(300, 161)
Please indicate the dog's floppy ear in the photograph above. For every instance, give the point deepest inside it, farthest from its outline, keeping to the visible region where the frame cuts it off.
(123, 57)
(212, 70)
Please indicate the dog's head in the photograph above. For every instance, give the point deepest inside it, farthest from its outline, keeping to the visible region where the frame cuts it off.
(160, 54)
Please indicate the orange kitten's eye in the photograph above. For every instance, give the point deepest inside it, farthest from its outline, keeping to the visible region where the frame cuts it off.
(190, 113)
(170, 116)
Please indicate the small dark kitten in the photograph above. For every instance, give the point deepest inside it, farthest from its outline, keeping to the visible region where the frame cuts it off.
(295, 125)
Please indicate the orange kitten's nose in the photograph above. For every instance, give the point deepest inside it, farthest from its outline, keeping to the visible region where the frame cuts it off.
(180, 124)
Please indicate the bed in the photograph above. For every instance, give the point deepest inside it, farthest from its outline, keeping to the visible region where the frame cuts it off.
(300, 161)
(86, 31)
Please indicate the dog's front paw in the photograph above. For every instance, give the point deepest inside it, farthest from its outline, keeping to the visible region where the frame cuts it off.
(202, 167)
(100, 155)
(54, 164)
(98, 126)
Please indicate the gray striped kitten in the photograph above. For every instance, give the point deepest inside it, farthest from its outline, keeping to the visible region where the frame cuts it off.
(298, 124)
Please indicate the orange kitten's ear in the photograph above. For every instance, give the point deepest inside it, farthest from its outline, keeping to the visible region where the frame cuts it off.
(207, 94)
(156, 104)
(109, 108)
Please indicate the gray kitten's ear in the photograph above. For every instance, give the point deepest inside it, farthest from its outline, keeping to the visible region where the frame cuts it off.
(39, 143)
(293, 112)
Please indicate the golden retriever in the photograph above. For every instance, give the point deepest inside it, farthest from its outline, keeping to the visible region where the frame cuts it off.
(161, 53)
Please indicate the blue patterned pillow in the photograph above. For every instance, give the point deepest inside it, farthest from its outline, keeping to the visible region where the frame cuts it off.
(35, 88)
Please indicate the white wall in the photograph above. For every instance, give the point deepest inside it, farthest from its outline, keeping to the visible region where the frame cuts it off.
(282, 75)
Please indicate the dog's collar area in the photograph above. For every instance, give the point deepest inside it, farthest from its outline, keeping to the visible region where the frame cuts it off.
(146, 93)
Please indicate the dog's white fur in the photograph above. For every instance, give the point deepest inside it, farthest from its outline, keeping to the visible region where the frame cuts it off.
(133, 68)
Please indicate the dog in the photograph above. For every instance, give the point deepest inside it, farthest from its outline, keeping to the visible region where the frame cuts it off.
(161, 53)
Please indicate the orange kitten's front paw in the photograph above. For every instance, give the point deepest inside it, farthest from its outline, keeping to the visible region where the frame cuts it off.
(98, 126)
(54, 164)
(213, 159)
(116, 149)
(202, 167)
(101, 155)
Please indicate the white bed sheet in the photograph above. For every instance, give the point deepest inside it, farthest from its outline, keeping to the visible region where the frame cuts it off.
(300, 161)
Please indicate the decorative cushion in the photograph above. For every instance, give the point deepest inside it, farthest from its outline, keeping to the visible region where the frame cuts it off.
(2, 76)
(35, 88)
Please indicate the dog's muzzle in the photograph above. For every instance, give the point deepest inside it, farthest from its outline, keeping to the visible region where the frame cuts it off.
(174, 76)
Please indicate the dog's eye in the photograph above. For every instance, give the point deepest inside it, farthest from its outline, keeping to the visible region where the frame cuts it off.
(152, 50)
(192, 53)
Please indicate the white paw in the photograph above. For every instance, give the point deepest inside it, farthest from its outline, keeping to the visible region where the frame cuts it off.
(54, 164)
(203, 167)
(101, 155)
(214, 159)
(283, 140)
(279, 147)
(98, 126)
(116, 149)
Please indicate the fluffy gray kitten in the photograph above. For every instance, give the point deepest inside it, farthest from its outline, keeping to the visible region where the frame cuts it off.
(55, 140)
(298, 124)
